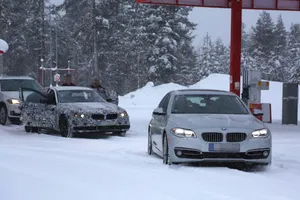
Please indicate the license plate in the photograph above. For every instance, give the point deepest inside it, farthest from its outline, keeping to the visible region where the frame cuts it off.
(224, 147)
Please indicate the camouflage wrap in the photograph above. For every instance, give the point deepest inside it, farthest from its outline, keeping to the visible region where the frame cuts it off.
(82, 117)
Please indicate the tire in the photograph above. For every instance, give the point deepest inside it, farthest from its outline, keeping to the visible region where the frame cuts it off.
(3, 114)
(27, 129)
(120, 134)
(64, 128)
(166, 159)
(149, 143)
(35, 130)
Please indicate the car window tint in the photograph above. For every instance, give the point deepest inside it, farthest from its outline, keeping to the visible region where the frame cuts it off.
(208, 104)
(15, 84)
(33, 97)
(166, 102)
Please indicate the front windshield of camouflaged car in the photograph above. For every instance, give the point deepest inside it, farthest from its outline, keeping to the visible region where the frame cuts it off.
(208, 104)
(76, 96)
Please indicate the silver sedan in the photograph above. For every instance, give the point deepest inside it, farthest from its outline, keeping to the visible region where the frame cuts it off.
(208, 125)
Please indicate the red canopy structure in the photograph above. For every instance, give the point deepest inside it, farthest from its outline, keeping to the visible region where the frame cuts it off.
(236, 23)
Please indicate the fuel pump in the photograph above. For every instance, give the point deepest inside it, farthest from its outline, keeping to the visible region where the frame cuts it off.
(251, 93)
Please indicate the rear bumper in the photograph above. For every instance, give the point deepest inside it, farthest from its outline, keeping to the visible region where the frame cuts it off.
(101, 129)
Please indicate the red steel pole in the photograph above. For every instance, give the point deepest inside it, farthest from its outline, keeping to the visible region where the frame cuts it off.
(235, 46)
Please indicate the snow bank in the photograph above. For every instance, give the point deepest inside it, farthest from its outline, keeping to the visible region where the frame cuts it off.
(150, 96)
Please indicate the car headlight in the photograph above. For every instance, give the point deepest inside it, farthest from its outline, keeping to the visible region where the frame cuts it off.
(76, 115)
(13, 101)
(123, 114)
(260, 133)
(183, 133)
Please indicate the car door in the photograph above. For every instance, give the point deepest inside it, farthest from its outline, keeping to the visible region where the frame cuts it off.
(163, 119)
(159, 123)
(37, 109)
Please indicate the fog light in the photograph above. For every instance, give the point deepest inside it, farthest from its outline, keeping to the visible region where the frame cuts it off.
(179, 153)
(265, 153)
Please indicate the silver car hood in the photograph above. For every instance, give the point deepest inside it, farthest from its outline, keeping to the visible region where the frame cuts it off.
(195, 121)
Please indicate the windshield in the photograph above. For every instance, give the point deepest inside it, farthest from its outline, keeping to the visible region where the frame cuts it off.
(14, 85)
(208, 104)
(72, 96)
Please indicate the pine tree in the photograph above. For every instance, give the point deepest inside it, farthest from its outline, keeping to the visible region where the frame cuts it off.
(220, 58)
(186, 73)
(294, 53)
(263, 39)
(247, 61)
(278, 61)
(169, 32)
(206, 59)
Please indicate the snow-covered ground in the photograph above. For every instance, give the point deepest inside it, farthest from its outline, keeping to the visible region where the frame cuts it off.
(48, 167)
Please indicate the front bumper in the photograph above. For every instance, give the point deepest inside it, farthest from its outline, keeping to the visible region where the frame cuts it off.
(101, 129)
(89, 125)
(197, 150)
(13, 110)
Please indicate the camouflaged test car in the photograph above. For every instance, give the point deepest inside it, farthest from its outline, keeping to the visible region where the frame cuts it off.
(71, 110)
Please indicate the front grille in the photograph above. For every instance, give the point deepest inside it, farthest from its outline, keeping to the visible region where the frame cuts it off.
(212, 137)
(236, 137)
(98, 116)
(111, 116)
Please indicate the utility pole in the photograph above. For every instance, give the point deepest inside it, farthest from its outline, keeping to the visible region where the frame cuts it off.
(42, 7)
(50, 34)
(56, 46)
(95, 40)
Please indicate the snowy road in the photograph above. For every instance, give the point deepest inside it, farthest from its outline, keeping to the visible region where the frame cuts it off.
(47, 167)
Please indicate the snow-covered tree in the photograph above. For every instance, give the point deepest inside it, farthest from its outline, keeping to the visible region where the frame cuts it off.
(207, 57)
(263, 40)
(278, 62)
(294, 53)
(221, 57)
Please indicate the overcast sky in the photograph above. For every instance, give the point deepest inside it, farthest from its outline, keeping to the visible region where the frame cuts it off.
(216, 22)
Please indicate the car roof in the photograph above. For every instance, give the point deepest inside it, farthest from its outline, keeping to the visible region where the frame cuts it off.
(202, 91)
(62, 88)
(16, 78)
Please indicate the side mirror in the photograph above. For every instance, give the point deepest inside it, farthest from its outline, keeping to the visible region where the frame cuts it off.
(258, 112)
(158, 111)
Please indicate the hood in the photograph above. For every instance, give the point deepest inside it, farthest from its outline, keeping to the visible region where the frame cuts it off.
(195, 121)
(91, 107)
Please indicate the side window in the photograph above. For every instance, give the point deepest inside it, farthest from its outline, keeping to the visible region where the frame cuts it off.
(33, 97)
(160, 105)
(166, 102)
(51, 96)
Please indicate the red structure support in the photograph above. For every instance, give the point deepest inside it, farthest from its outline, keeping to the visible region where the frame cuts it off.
(235, 46)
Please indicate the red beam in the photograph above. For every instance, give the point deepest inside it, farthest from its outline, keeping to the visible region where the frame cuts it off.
(235, 46)
(280, 5)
